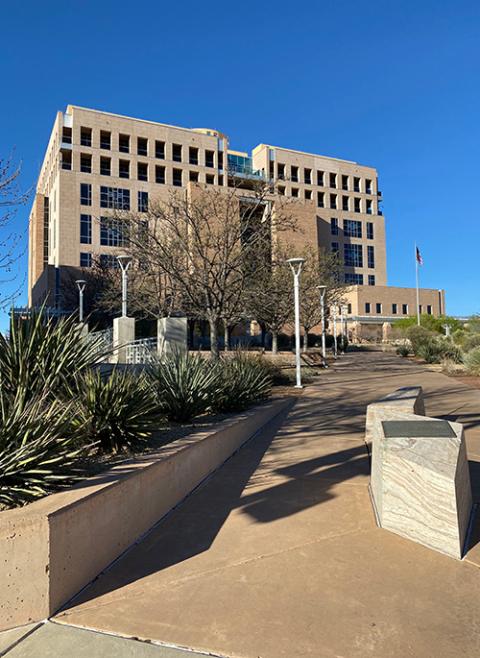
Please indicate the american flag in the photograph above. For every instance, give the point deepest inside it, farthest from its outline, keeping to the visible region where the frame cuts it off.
(419, 257)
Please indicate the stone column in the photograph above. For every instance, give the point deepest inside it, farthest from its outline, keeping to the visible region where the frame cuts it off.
(172, 335)
(123, 333)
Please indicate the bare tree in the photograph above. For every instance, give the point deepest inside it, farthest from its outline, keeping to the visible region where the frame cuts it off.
(11, 199)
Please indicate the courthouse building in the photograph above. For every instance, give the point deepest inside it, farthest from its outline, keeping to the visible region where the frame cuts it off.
(98, 161)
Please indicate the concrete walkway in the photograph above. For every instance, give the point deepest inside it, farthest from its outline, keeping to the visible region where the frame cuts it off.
(278, 554)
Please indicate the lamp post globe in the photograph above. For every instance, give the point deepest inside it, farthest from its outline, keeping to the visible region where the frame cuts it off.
(124, 261)
(81, 283)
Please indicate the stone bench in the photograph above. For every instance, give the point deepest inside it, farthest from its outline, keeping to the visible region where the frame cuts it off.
(420, 483)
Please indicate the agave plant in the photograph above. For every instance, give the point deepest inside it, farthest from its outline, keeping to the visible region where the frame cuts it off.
(39, 452)
(186, 385)
(244, 380)
(117, 412)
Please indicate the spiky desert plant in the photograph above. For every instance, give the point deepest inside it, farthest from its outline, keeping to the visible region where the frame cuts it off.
(39, 452)
(186, 385)
(472, 361)
(244, 380)
(117, 412)
(40, 354)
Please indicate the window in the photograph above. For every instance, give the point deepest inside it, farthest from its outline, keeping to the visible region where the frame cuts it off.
(209, 158)
(320, 175)
(177, 152)
(295, 191)
(294, 174)
(333, 201)
(344, 182)
(105, 139)
(66, 159)
(335, 248)
(378, 307)
(370, 230)
(109, 260)
(85, 163)
(356, 205)
(112, 233)
(394, 309)
(124, 143)
(220, 160)
(405, 309)
(353, 279)
(193, 176)
(281, 190)
(281, 171)
(177, 177)
(142, 146)
(371, 256)
(143, 202)
(271, 169)
(307, 176)
(321, 199)
(67, 136)
(86, 229)
(333, 180)
(356, 184)
(160, 174)
(368, 186)
(193, 155)
(334, 226)
(124, 169)
(429, 310)
(106, 166)
(142, 171)
(352, 228)
(367, 307)
(420, 308)
(85, 258)
(349, 309)
(85, 136)
(353, 255)
(308, 195)
(210, 179)
(114, 197)
(159, 150)
(369, 206)
(85, 194)
(344, 202)
(371, 279)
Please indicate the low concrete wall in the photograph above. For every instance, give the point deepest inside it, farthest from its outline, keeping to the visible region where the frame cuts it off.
(54, 547)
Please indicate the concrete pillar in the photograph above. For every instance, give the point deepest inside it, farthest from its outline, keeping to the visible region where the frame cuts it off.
(123, 333)
(172, 335)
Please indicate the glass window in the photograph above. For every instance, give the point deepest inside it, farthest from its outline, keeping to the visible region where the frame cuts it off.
(209, 158)
(85, 136)
(159, 150)
(333, 180)
(109, 260)
(142, 146)
(124, 143)
(143, 202)
(294, 174)
(193, 176)
(85, 163)
(367, 307)
(210, 179)
(193, 155)
(85, 194)
(281, 171)
(177, 152)
(160, 174)
(353, 279)
(112, 232)
(295, 191)
(321, 199)
(378, 307)
(369, 207)
(371, 256)
(356, 184)
(86, 229)
(394, 309)
(105, 139)
(334, 225)
(124, 169)
(344, 182)
(105, 166)
(307, 176)
(352, 228)
(345, 203)
(142, 171)
(429, 310)
(335, 247)
(370, 230)
(356, 205)
(177, 177)
(405, 309)
(320, 175)
(308, 195)
(353, 255)
(114, 197)
(368, 186)
(85, 259)
(333, 201)
(371, 279)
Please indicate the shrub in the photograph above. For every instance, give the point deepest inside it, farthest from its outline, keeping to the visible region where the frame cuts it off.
(243, 380)
(472, 361)
(430, 351)
(403, 350)
(470, 341)
(185, 384)
(419, 336)
(451, 352)
(458, 336)
(117, 412)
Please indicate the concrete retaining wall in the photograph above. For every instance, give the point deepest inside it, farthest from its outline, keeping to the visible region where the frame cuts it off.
(52, 548)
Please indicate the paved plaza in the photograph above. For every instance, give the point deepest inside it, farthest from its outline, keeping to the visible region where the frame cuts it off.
(278, 554)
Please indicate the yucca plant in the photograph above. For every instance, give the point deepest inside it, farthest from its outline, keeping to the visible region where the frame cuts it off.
(117, 412)
(39, 452)
(472, 361)
(244, 380)
(186, 385)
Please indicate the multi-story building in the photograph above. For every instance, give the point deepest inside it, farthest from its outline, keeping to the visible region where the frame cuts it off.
(98, 161)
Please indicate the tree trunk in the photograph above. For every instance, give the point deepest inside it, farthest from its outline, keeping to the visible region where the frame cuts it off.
(305, 340)
(274, 342)
(213, 339)
(227, 337)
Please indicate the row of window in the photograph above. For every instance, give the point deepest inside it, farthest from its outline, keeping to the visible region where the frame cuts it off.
(353, 255)
(352, 228)
(106, 260)
(116, 198)
(395, 308)
(144, 147)
(359, 205)
(355, 279)
(340, 181)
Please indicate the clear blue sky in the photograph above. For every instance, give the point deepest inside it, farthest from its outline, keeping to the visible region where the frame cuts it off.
(389, 84)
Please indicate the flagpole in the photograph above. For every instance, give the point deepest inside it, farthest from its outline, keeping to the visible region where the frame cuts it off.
(418, 294)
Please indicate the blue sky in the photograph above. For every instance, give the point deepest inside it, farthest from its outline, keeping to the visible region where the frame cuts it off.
(394, 85)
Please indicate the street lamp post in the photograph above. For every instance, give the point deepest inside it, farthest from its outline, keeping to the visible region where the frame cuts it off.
(125, 262)
(322, 290)
(296, 265)
(334, 308)
(81, 289)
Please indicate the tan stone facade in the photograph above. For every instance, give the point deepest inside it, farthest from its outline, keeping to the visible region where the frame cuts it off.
(97, 159)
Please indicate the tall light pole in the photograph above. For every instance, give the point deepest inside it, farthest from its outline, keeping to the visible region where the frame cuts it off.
(322, 290)
(334, 330)
(296, 265)
(81, 289)
(125, 262)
